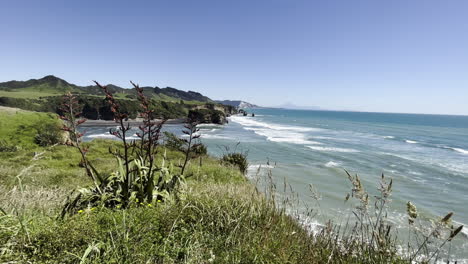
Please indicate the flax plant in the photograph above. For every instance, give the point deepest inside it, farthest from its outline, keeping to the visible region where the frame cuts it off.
(192, 131)
(138, 179)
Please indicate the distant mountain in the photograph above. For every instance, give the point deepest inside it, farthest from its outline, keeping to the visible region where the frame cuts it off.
(296, 107)
(237, 103)
(51, 85)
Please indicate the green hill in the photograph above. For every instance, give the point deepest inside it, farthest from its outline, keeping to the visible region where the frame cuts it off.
(44, 95)
(52, 86)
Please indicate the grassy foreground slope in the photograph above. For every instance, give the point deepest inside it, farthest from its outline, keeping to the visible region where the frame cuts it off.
(216, 217)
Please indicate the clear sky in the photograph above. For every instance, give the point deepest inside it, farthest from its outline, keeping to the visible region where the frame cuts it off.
(386, 56)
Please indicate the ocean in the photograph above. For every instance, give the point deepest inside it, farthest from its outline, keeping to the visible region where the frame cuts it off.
(426, 156)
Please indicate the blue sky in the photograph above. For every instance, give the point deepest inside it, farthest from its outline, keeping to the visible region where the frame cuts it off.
(386, 56)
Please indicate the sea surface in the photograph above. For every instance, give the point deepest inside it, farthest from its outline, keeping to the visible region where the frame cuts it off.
(426, 156)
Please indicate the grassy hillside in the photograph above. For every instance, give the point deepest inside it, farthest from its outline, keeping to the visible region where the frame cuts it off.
(19, 128)
(54, 86)
(44, 95)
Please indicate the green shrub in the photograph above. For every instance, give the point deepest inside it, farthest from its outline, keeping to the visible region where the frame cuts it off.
(200, 150)
(236, 159)
(6, 147)
(49, 134)
(171, 141)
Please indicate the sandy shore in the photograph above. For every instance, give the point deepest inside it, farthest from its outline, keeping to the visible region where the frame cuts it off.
(109, 123)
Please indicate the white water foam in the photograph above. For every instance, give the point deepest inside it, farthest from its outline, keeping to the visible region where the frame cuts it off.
(411, 142)
(331, 149)
(332, 164)
(255, 170)
(459, 150)
(462, 151)
(105, 135)
(208, 130)
(262, 166)
(214, 136)
(110, 136)
(277, 133)
(209, 125)
(390, 137)
(459, 168)
(248, 121)
(283, 136)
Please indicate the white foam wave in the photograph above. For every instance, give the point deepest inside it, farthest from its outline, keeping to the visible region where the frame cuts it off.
(331, 149)
(310, 224)
(332, 164)
(104, 135)
(411, 142)
(209, 125)
(110, 136)
(459, 168)
(390, 137)
(208, 130)
(214, 136)
(462, 151)
(248, 121)
(262, 166)
(256, 170)
(283, 136)
(277, 133)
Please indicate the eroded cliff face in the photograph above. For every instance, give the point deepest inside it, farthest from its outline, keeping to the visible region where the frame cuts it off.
(211, 113)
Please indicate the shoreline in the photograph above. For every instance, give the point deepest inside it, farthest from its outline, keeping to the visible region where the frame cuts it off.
(108, 123)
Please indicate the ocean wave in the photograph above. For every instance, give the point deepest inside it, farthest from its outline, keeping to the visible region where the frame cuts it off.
(277, 133)
(459, 168)
(209, 125)
(283, 136)
(411, 141)
(459, 150)
(256, 170)
(250, 122)
(332, 149)
(214, 136)
(104, 135)
(332, 164)
(208, 130)
(110, 136)
(262, 166)
(310, 224)
(389, 137)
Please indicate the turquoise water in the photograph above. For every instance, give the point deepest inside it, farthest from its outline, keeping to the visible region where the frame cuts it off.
(425, 155)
